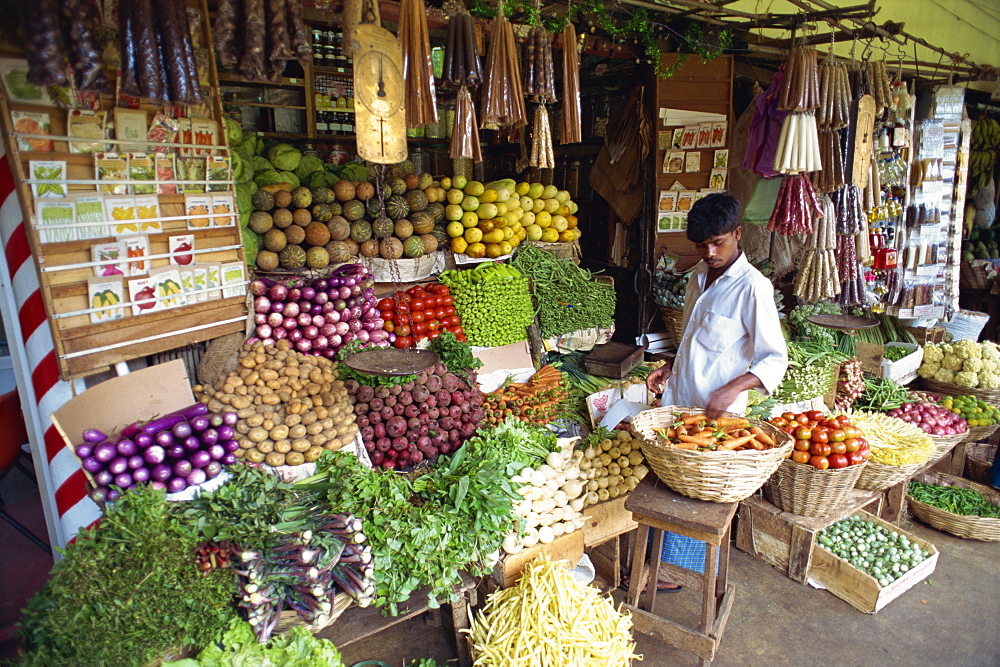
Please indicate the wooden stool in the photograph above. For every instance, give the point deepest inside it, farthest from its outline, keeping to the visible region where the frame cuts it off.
(654, 505)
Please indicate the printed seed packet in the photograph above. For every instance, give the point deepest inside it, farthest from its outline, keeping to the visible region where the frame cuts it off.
(32, 122)
(191, 169)
(689, 140)
(106, 295)
(233, 279)
(90, 209)
(692, 162)
(204, 133)
(136, 251)
(705, 135)
(214, 280)
(185, 136)
(48, 170)
(721, 160)
(141, 167)
(200, 272)
(719, 133)
(54, 220)
(162, 130)
(109, 253)
(684, 200)
(197, 208)
(180, 249)
(86, 124)
(223, 204)
(187, 284)
(674, 162)
(668, 201)
(118, 209)
(169, 290)
(166, 173)
(217, 169)
(130, 124)
(142, 294)
(148, 209)
(718, 179)
(111, 167)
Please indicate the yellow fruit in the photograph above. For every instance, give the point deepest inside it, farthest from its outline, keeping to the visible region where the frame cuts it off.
(560, 223)
(549, 192)
(536, 190)
(459, 181)
(493, 236)
(516, 227)
(486, 226)
(470, 219)
(523, 234)
(452, 212)
(552, 205)
(474, 188)
(486, 211)
(501, 208)
(567, 236)
(473, 235)
(508, 233)
(455, 229)
(538, 205)
(562, 196)
(572, 221)
(533, 232)
(476, 250)
(543, 219)
(488, 196)
(431, 195)
(573, 208)
(470, 203)
(445, 182)
(506, 248)
(527, 203)
(455, 196)
(459, 244)
(522, 189)
(493, 250)
(499, 222)
(563, 210)
(550, 235)
(503, 194)
(528, 218)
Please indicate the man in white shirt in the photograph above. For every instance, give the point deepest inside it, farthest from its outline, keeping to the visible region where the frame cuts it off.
(732, 340)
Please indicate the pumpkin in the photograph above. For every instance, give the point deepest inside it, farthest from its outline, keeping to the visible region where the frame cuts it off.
(441, 234)
(436, 210)
(301, 197)
(353, 247)
(344, 190)
(295, 234)
(374, 207)
(417, 200)
(323, 195)
(292, 258)
(382, 227)
(260, 222)
(397, 186)
(396, 207)
(424, 181)
(354, 210)
(282, 198)
(413, 247)
(302, 216)
(339, 228)
(411, 180)
(262, 200)
(267, 260)
(317, 258)
(338, 252)
(282, 218)
(369, 248)
(391, 248)
(361, 230)
(322, 212)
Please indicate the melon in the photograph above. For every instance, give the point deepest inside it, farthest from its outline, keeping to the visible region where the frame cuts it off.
(374, 207)
(403, 229)
(361, 230)
(364, 191)
(344, 190)
(441, 234)
(338, 252)
(302, 197)
(436, 210)
(322, 212)
(353, 247)
(295, 234)
(369, 248)
(282, 198)
(260, 222)
(275, 240)
(417, 200)
(430, 243)
(413, 247)
(336, 208)
(267, 260)
(317, 234)
(425, 181)
(262, 200)
(396, 186)
(382, 227)
(422, 221)
(302, 216)
(317, 258)
(282, 218)
(292, 258)
(391, 248)
(396, 207)
(411, 180)
(323, 195)
(339, 228)
(354, 210)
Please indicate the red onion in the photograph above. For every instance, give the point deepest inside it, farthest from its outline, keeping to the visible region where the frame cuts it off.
(327, 308)
(321, 342)
(354, 325)
(339, 304)
(330, 353)
(291, 309)
(260, 318)
(305, 306)
(295, 335)
(261, 304)
(363, 336)
(327, 329)
(294, 294)
(258, 287)
(342, 327)
(348, 337)
(320, 284)
(304, 345)
(280, 333)
(335, 340)
(310, 332)
(264, 330)
(332, 316)
(277, 306)
(304, 319)
(308, 293)
(318, 320)
(278, 292)
(321, 298)
(344, 292)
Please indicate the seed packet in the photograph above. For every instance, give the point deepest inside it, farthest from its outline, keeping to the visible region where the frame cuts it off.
(130, 124)
(106, 294)
(141, 167)
(197, 207)
(214, 280)
(32, 122)
(200, 272)
(204, 133)
(118, 210)
(166, 173)
(148, 209)
(142, 294)
(187, 283)
(217, 169)
(48, 170)
(169, 290)
(223, 204)
(90, 208)
(111, 167)
(136, 251)
(191, 169)
(162, 130)
(54, 220)
(185, 136)
(232, 279)
(86, 124)
(180, 249)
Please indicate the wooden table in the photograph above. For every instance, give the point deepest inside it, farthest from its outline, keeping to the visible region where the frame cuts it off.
(653, 505)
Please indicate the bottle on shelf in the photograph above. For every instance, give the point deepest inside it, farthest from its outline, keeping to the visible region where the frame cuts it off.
(348, 124)
(322, 125)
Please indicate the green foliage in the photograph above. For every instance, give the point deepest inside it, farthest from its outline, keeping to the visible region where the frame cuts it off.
(284, 157)
(455, 354)
(127, 592)
(295, 648)
(513, 442)
(806, 331)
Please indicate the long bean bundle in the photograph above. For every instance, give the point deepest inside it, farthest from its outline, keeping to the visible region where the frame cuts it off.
(418, 71)
(462, 66)
(572, 127)
(503, 96)
(542, 154)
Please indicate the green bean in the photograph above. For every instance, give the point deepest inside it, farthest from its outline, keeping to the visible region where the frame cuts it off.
(967, 502)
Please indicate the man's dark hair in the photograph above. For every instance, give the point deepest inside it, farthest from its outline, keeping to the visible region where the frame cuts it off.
(713, 215)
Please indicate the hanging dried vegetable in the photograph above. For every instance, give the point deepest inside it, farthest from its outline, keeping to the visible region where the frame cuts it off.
(834, 110)
(462, 65)
(881, 89)
(852, 290)
(259, 37)
(180, 70)
(849, 211)
(148, 79)
(503, 96)
(299, 34)
(830, 177)
(572, 127)
(418, 70)
(796, 207)
(798, 145)
(43, 43)
(539, 71)
(628, 139)
(800, 86)
(278, 39)
(224, 32)
(542, 154)
(818, 278)
(80, 16)
(465, 138)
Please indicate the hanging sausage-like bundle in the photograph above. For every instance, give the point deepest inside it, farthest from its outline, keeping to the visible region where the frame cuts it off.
(254, 40)
(539, 69)
(465, 138)
(503, 95)
(462, 65)
(299, 33)
(179, 67)
(800, 87)
(796, 207)
(818, 277)
(225, 34)
(79, 16)
(149, 79)
(418, 70)
(572, 127)
(43, 43)
(542, 154)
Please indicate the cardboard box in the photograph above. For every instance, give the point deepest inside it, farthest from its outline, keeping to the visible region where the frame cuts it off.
(505, 357)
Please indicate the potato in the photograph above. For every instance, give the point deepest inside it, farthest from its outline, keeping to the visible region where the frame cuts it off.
(283, 446)
(308, 418)
(292, 420)
(245, 443)
(297, 431)
(257, 434)
(270, 399)
(319, 439)
(278, 431)
(247, 362)
(313, 454)
(321, 412)
(215, 405)
(243, 413)
(269, 373)
(254, 456)
(301, 445)
(266, 446)
(242, 427)
(254, 420)
(274, 459)
(294, 458)
(328, 424)
(252, 377)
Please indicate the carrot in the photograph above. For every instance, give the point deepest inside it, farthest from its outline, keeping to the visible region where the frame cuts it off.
(762, 436)
(728, 423)
(688, 419)
(701, 442)
(735, 442)
(686, 445)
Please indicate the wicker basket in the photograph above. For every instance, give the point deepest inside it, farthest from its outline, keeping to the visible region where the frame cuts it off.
(879, 476)
(991, 396)
(973, 277)
(674, 321)
(801, 489)
(942, 445)
(721, 477)
(979, 461)
(977, 433)
(971, 527)
(289, 618)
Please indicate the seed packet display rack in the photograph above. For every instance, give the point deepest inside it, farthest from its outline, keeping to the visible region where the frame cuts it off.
(83, 347)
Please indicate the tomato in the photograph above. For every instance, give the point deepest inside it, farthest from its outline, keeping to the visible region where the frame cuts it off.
(449, 310)
(838, 461)
(790, 430)
(815, 414)
(803, 433)
(800, 457)
(851, 432)
(387, 315)
(461, 336)
(459, 333)
(820, 449)
(403, 330)
(452, 321)
(416, 289)
(418, 316)
(433, 325)
(820, 435)
(403, 342)
(389, 326)
(432, 301)
(780, 422)
(854, 458)
(438, 288)
(831, 424)
(843, 420)
(419, 327)
(838, 447)
(802, 418)
(433, 334)
(837, 435)
(802, 445)
(416, 304)
(788, 416)
(386, 304)
(852, 444)
(819, 462)
(441, 312)
(446, 300)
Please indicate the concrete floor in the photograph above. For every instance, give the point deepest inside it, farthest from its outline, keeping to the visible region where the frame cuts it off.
(953, 618)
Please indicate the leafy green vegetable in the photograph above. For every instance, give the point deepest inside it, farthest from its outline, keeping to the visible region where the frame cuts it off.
(284, 157)
(513, 442)
(455, 354)
(295, 648)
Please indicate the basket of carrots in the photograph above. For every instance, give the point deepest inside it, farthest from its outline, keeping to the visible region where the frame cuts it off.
(722, 460)
(540, 400)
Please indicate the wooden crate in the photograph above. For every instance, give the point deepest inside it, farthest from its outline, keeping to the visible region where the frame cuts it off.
(861, 590)
(606, 520)
(785, 540)
(568, 548)
(613, 360)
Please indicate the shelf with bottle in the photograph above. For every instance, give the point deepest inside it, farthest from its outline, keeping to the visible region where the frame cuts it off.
(328, 54)
(235, 79)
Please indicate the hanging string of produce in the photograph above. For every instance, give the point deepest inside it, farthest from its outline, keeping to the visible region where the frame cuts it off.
(503, 96)
(258, 37)
(462, 66)
(55, 33)
(832, 115)
(818, 278)
(796, 208)
(465, 138)
(542, 153)
(418, 70)
(572, 125)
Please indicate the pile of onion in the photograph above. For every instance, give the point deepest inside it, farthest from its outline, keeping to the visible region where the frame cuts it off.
(319, 316)
(932, 418)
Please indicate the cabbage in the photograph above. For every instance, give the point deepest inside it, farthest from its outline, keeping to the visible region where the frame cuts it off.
(253, 143)
(251, 241)
(321, 179)
(234, 132)
(267, 177)
(354, 172)
(284, 157)
(308, 165)
(260, 163)
(289, 177)
(241, 172)
(251, 187)
(243, 197)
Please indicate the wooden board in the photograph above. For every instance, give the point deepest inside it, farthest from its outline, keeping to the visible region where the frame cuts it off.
(654, 504)
(606, 520)
(861, 590)
(567, 548)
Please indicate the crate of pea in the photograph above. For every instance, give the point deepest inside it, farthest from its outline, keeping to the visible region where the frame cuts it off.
(900, 361)
(868, 562)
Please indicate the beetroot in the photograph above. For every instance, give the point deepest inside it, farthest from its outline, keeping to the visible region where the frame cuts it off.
(383, 444)
(400, 443)
(450, 382)
(413, 423)
(423, 442)
(458, 398)
(455, 411)
(382, 392)
(390, 400)
(365, 393)
(431, 401)
(395, 389)
(406, 398)
(424, 418)
(398, 409)
(374, 418)
(454, 435)
(416, 457)
(434, 383)
(433, 413)
(362, 421)
(379, 430)
(376, 457)
(447, 423)
(395, 427)
(420, 394)
(367, 433)
(408, 385)
(440, 368)
(360, 408)
(411, 410)
(387, 414)
(376, 404)
(369, 446)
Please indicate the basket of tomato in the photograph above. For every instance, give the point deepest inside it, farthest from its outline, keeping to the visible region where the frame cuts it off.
(827, 458)
(421, 312)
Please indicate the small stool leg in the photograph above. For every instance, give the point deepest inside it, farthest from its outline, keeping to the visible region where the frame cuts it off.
(709, 602)
(654, 568)
(720, 584)
(638, 565)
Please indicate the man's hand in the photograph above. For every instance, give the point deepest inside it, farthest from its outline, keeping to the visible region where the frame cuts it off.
(657, 379)
(720, 400)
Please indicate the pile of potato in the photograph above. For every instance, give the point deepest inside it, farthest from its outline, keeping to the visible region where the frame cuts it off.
(291, 406)
(612, 467)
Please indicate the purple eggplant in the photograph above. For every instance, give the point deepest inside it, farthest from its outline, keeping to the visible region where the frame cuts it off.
(209, 437)
(113, 495)
(123, 480)
(92, 435)
(230, 418)
(225, 433)
(84, 450)
(162, 424)
(191, 411)
(175, 451)
(200, 459)
(216, 451)
(161, 472)
(158, 485)
(176, 485)
(230, 446)
(140, 475)
(196, 477)
(135, 462)
(182, 430)
(228, 460)
(213, 469)
(103, 477)
(199, 424)
(118, 465)
(143, 440)
(154, 455)
(192, 443)
(126, 447)
(183, 468)
(105, 451)
(216, 420)
(90, 464)
(100, 494)
(164, 438)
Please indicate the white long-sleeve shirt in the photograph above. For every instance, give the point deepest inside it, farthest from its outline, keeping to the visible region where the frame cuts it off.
(730, 328)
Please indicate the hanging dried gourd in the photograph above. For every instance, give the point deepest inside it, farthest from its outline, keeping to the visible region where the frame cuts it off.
(572, 127)
(418, 70)
(462, 66)
(539, 70)
(503, 95)
(465, 138)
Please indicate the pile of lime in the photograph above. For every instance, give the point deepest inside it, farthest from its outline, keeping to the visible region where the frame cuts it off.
(974, 410)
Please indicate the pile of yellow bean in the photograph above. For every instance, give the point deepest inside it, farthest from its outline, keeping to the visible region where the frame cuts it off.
(548, 619)
(893, 441)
